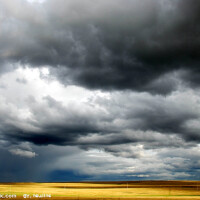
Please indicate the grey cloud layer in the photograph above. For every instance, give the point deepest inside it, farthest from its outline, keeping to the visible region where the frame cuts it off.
(122, 118)
(107, 45)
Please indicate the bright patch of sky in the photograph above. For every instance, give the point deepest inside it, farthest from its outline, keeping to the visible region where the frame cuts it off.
(22, 83)
(36, 1)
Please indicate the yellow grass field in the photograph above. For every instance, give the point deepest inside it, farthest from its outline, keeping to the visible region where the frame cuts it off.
(140, 190)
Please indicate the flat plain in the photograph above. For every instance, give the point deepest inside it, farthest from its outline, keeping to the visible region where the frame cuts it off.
(129, 190)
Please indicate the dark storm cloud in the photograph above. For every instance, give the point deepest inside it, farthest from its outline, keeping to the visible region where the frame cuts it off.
(107, 45)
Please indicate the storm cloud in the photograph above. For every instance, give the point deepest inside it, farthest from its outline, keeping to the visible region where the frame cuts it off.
(101, 89)
(105, 45)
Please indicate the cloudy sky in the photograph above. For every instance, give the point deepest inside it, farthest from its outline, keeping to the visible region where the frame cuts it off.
(99, 90)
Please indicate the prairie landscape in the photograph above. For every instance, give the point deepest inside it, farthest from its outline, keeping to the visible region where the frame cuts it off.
(103, 190)
(99, 90)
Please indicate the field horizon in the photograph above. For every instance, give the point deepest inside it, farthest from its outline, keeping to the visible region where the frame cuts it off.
(147, 189)
(102, 181)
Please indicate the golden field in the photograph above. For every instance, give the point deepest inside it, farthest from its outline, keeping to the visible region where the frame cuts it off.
(142, 190)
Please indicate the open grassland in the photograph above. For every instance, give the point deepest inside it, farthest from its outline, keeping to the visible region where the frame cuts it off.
(140, 190)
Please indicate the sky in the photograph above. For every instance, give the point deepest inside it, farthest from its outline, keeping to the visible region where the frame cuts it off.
(99, 90)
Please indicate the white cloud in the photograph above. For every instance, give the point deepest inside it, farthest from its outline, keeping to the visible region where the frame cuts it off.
(23, 153)
(36, 1)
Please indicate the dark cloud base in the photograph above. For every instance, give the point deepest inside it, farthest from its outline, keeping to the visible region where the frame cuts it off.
(120, 47)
